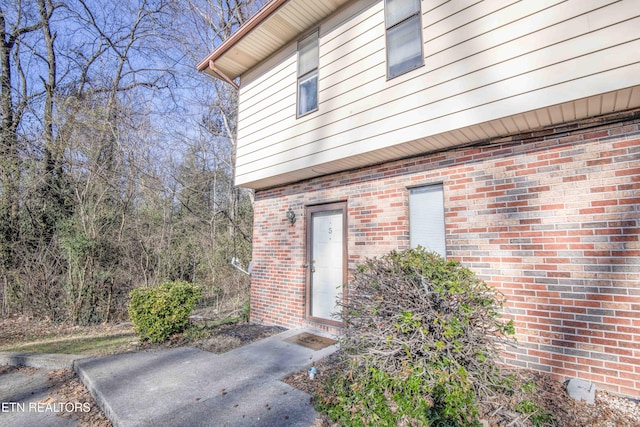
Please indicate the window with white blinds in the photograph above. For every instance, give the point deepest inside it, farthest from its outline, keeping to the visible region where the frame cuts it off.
(426, 218)
(404, 36)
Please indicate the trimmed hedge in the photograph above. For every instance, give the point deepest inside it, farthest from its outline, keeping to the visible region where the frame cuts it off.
(162, 310)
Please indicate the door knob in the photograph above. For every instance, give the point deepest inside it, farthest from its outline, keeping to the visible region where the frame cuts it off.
(312, 265)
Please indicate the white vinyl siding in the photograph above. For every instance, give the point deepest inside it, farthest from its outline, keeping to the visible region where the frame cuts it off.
(491, 68)
(308, 74)
(404, 36)
(426, 218)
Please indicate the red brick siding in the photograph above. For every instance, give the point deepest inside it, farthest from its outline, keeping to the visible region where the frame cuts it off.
(551, 220)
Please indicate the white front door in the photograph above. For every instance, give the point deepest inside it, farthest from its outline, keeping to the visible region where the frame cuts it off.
(326, 262)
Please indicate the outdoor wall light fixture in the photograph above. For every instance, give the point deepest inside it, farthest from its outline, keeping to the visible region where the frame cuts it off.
(291, 216)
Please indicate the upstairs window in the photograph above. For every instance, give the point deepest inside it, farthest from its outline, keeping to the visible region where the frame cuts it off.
(404, 36)
(308, 74)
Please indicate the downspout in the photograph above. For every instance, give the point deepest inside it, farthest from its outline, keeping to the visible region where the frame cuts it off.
(224, 77)
(236, 264)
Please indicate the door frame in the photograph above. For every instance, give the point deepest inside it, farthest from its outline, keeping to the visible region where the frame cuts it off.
(309, 211)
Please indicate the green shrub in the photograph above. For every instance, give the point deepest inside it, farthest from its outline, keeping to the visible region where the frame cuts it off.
(160, 311)
(421, 337)
(376, 398)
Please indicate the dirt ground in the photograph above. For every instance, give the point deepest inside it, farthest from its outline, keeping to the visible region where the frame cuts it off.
(609, 410)
(216, 339)
(222, 338)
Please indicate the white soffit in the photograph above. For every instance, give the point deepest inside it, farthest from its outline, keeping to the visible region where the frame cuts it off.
(285, 24)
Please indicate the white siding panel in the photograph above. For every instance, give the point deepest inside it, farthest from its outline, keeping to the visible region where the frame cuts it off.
(279, 108)
(351, 59)
(483, 87)
(262, 98)
(485, 62)
(372, 70)
(505, 106)
(253, 95)
(501, 108)
(529, 35)
(362, 98)
(278, 105)
(350, 29)
(445, 9)
(348, 64)
(485, 17)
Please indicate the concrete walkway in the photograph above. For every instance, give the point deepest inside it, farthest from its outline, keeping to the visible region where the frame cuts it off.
(189, 387)
(22, 394)
(27, 395)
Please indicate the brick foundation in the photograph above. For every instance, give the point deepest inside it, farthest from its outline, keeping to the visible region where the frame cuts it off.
(549, 218)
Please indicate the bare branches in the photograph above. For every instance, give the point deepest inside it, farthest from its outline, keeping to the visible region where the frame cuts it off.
(97, 181)
(12, 111)
(9, 37)
(398, 316)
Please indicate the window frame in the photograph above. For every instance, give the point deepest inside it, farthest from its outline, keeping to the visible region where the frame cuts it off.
(435, 186)
(395, 25)
(301, 78)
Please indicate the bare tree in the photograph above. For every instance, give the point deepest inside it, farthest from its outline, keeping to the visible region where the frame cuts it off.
(14, 100)
(218, 19)
(211, 22)
(116, 156)
(103, 119)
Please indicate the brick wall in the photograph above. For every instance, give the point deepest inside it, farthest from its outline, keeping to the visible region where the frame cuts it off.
(550, 218)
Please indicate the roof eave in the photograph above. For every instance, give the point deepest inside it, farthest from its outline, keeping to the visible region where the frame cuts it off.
(207, 63)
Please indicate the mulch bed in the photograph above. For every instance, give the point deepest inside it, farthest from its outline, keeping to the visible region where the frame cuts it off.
(609, 410)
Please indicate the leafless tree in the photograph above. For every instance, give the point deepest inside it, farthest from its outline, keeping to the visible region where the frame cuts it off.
(116, 156)
(14, 100)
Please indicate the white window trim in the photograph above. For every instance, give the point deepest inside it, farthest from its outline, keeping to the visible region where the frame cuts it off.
(435, 217)
(391, 26)
(305, 77)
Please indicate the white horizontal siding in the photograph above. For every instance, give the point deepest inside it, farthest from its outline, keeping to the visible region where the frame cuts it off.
(343, 55)
(483, 61)
(275, 97)
(268, 88)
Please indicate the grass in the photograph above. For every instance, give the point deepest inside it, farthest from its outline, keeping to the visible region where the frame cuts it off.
(94, 345)
(102, 343)
(209, 335)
